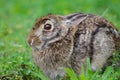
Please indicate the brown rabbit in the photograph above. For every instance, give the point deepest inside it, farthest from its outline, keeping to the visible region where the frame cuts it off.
(66, 41)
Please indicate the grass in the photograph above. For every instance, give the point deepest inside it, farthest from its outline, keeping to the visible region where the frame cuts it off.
(17, 18)
(109, 74)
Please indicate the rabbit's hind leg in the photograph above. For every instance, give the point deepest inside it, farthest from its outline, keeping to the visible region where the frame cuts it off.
(103, 47)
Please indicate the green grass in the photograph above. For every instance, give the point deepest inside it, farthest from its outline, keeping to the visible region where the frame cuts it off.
(17, 18)
(109, 74)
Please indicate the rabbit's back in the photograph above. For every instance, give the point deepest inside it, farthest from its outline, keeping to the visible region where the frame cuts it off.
(96, 39)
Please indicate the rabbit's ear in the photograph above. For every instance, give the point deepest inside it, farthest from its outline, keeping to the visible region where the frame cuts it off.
(74, 20)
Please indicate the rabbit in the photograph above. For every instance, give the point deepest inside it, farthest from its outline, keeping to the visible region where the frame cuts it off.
(60, 41)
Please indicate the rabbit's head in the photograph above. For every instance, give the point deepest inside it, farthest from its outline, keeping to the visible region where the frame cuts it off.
(49, 29)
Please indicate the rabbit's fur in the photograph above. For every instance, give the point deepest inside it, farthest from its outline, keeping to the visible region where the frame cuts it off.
(70, 40)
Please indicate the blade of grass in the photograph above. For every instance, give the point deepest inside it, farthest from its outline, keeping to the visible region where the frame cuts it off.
(105, 12)
(82, 75)
(40, 75)
(71, 73)
(93, 77)
(107, 73)
(88, 68)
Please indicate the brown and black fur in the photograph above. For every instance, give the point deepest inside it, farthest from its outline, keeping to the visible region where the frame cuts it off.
(74, 38)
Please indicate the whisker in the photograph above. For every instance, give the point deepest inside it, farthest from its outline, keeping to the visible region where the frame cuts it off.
(32, 41)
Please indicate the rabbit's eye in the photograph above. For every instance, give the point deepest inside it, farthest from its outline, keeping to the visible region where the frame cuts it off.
(47, 26)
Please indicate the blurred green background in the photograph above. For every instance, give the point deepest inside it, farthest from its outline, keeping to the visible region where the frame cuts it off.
(17, 18)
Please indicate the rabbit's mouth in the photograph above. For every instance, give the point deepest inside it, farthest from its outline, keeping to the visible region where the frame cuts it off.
(33, 42)
(35, 48)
